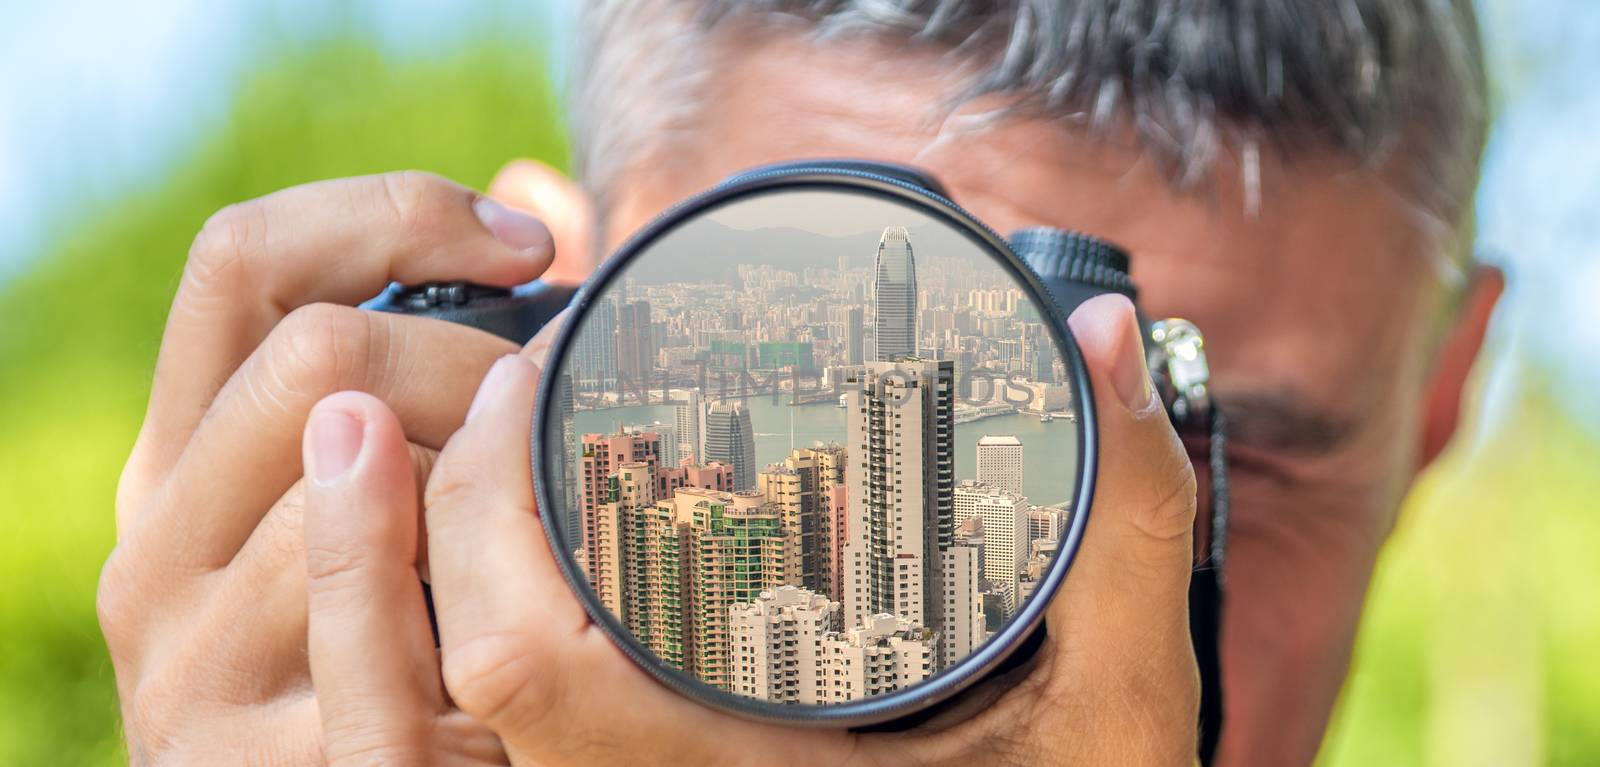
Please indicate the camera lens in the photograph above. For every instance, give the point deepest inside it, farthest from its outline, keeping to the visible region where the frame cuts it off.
(815, 447)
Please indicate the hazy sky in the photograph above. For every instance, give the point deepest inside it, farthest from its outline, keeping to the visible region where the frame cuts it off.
(834, 214)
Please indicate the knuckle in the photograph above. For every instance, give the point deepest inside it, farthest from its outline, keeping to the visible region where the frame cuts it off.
(134, 484)
(492, 678)
(117, 601)
(414, 199)
(152, 721)
(313, 349)
(452, 483)
(225, 241)
(1168, 509)
(374, 745)
(334, 567)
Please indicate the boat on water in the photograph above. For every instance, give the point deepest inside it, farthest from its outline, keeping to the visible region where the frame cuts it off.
(1046, 418)
(842, 399)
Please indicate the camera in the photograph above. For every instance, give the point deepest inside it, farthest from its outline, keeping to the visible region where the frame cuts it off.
(817, 447)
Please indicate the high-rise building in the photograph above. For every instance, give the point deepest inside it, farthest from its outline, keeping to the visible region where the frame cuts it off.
(729, 438)
(630, 487)
(636, 351)
(1005, 534)
(711, 476)
(689, 419)
(686, 558)
(788, 647)
(1000, 462)
(854, 336)
(571, 494)
(670, 453)
(594, 356)
(1039, 352)
(736, 551)
(1044, 523)
(883, 654)
(964, 628)
(599, 464)
(895, 296)
(900, 519)
(802, 487)
(777, 645)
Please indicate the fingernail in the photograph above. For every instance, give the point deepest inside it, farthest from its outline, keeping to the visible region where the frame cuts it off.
(1131, 377)
(1110, 318)
(494, 384)
(516, 229)
(335, 443)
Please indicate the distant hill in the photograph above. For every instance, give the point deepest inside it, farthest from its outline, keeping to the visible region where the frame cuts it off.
(707, 251)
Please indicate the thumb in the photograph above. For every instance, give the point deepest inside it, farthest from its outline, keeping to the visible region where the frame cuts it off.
(563, 206)
(1139, 542)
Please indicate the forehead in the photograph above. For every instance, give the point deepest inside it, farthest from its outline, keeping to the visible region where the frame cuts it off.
(1319, 296)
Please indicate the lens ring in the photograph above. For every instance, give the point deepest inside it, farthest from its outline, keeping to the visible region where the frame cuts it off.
(885, 707)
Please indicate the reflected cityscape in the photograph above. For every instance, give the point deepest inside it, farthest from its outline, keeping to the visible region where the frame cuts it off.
(835, 569)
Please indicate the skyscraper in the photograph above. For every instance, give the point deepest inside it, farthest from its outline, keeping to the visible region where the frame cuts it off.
(594, 357)
(802, 488)
(571, 494)
(901, 432)
(1005, 534)
(670, 564)
(636, 350)
(599, 466)
(1000, 462)
(854, 336)
(736, 551)
(895, 296)
(689, 417)
(962, 619)
(729, 438)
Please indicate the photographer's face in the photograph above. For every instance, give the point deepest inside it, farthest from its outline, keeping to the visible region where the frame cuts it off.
(1320, 314)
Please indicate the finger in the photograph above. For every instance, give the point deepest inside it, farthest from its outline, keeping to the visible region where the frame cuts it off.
(1138, 542)
(262, 600)
(1120, 627)
(502, 605)
(242, 457)
(337, 241)
(549, 195)
(370, 648)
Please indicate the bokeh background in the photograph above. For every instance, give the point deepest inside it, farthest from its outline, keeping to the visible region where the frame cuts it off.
(123, 125)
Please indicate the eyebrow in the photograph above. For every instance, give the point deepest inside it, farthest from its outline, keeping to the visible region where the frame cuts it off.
(1283, 421)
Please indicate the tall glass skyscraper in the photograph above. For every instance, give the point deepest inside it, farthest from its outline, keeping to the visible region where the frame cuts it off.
(730, 439)
(895, 296)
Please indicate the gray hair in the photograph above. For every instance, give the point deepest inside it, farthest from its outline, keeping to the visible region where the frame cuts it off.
(1193, 78)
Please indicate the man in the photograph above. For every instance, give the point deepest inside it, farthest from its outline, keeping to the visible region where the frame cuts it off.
(1294, 176)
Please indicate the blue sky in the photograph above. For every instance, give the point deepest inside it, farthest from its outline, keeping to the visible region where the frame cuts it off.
(101, 97)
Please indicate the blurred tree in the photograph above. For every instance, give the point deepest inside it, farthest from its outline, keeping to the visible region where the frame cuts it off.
(79, 345)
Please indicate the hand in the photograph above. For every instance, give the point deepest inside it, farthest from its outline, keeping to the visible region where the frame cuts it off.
(204, 600)
(1114, 683)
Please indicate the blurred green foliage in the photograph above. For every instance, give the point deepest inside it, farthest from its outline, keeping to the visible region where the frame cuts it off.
(76, 354)
(1479, 645)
